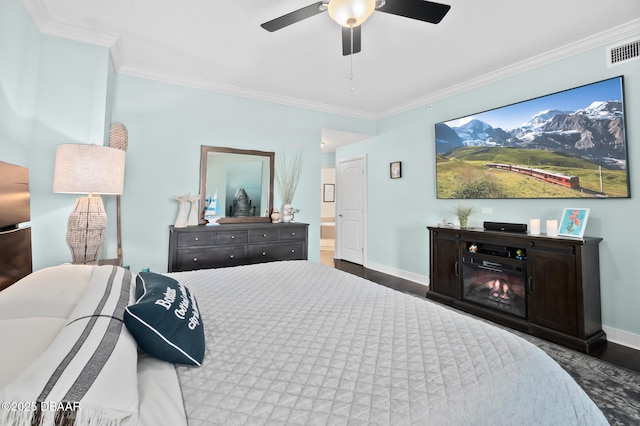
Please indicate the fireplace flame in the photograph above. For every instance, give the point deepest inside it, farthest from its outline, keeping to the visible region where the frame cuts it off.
(499, 289)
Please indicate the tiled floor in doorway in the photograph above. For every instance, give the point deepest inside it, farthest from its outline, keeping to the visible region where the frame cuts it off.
(327, 248)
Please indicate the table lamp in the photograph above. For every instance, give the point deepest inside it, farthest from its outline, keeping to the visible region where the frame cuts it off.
(92, 170)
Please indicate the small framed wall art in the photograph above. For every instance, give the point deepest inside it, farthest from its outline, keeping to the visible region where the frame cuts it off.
(573, 222)
(395, 170)
(329, 193)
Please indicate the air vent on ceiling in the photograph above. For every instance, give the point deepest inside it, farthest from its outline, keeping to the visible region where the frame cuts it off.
(623, 53)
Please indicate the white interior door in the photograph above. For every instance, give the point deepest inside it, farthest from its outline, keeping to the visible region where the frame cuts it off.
(350, 222)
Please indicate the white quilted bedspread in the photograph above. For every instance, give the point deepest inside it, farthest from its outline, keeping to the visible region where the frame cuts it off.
(300, 343)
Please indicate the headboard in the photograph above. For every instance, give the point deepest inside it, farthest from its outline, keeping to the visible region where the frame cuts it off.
(15, 234)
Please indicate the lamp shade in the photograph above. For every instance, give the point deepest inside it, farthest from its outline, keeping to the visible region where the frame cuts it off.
(351, 13)
(88, 169)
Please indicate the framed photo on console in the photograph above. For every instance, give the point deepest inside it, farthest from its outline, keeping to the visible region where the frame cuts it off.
(573, 222)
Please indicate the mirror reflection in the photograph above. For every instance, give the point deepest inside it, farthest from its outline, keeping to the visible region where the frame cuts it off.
(236, 185)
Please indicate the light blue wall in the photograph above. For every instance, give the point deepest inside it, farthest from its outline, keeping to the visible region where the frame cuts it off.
(57, 91)
(329, 159)
(111, 242)
(19, 53)
(399, 210)
(70, 108)
(54, 91)
(167, 125)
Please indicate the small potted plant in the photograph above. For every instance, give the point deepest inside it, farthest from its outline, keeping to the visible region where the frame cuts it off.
(463, 213)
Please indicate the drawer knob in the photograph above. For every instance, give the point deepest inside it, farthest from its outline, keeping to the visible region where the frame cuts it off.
(293, 251)
(293, 233)
(197, 239)
(264, 253)
(231, 257)
(264, 235)
(233, 236)
(195, 259)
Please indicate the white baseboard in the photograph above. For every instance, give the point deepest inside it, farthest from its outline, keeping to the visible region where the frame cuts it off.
(613, 335)
(421, 279)
(622, 337)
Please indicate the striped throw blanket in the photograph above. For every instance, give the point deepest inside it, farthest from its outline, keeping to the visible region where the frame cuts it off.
(88, 374)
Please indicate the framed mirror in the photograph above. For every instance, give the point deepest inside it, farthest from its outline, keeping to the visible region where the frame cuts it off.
(240, 181)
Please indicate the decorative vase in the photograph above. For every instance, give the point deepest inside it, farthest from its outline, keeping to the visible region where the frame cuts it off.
(287, 213)
(463, 213)
(192, 219)
(275, 216)
(463, 221)
(181, 220)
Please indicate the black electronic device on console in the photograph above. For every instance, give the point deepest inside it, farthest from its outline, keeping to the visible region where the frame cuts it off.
(505, 227)
(494, 250)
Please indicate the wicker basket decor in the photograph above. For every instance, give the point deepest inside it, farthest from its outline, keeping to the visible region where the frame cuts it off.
(118, 136)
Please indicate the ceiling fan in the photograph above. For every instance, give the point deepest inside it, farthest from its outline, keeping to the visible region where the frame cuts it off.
(350, 14)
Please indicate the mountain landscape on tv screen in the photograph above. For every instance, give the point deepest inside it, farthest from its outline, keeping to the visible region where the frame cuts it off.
(595, 133)
(554, 153)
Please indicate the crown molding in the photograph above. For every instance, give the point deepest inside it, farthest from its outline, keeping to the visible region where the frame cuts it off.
(241, 92)
(117, 54)
(46, 25)
(82, 35)
(37, 11)
(597, 40)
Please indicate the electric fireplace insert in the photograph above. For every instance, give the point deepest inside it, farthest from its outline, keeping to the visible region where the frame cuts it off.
(495, 283)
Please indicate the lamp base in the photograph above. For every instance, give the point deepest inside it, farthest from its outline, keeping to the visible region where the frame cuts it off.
(86, 229)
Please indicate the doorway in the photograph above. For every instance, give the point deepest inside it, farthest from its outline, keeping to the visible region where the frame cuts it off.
(327, 215)
(351, 210)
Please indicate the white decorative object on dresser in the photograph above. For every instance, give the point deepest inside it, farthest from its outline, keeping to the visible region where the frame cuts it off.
(193, 217)
(181, 219)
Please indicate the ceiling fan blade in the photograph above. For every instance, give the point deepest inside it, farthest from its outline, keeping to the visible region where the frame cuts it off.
(346, 40)
(417, 9)
(293, 17)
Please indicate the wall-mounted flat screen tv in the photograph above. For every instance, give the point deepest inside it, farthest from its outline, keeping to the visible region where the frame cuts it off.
(569, 144)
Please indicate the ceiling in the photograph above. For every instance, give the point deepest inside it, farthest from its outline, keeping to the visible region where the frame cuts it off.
(404, 63)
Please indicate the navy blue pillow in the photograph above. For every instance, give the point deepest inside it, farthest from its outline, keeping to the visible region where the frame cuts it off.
(165, 320)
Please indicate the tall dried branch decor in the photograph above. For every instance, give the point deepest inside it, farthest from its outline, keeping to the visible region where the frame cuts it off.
(287, 176)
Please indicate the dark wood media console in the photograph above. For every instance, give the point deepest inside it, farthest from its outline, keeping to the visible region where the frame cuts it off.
(548, 287)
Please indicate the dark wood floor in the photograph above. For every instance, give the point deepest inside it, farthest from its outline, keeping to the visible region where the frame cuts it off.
(613, 353)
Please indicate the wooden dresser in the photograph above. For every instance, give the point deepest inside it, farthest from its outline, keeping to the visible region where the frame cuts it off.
(203, 247)
(559, 280)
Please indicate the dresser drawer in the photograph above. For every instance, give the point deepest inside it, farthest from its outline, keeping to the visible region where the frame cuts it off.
(231, 237)
(188, 260)
(194, 239)
(293, 232)
(263, 235)
(205, 247)
(272, 252)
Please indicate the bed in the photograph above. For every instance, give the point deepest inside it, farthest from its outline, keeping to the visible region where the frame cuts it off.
(284, 343)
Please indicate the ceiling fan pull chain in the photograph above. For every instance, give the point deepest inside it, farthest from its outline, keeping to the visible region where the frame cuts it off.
(351, 61)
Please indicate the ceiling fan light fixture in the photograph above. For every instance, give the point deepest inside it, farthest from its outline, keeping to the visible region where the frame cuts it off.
(351, 13)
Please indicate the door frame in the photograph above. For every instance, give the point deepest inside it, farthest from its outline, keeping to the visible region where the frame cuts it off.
(337, 254)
